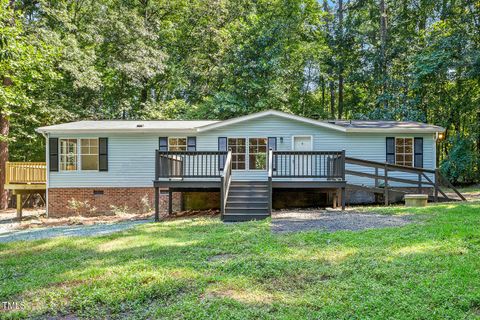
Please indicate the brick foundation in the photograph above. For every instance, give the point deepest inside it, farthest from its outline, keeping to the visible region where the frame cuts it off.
(96, 201)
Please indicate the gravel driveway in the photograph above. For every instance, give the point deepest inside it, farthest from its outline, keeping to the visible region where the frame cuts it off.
(67, 231)
(305, 220)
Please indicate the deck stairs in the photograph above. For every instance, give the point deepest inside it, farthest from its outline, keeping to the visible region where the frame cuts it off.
(247, 200)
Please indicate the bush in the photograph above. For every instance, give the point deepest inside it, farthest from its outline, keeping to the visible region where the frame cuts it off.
(463, 161)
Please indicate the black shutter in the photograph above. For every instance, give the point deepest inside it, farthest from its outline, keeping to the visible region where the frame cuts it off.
(390, 147)
(102, 154)
(418, 149)
(53, 154)
(272, 144)
(191, 143)
(222, 146)
(163, 143)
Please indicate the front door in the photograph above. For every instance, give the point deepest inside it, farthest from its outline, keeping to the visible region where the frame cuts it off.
(302, 164)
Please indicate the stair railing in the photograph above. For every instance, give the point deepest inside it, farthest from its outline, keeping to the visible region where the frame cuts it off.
(270, 175)
(422, 175)
(225, 180)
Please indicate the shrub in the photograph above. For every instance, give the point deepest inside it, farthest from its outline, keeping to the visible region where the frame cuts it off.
(462, 163)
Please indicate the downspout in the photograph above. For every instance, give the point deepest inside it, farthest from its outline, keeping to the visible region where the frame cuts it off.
(47, 151)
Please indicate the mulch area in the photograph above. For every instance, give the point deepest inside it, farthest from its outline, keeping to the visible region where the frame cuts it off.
(36, 218)
(333, 220)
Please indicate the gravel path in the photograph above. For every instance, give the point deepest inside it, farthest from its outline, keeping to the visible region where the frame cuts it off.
(305, 220)
(67, 231)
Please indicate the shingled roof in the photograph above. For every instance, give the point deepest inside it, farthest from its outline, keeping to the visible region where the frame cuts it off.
(205, 125)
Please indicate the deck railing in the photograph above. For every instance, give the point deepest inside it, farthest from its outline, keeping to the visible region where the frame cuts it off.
(418, 177)
(189, 164)
(226, 179)
(26, 173)
(308, 164)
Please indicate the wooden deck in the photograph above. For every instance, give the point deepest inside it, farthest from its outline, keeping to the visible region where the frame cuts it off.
(212, 170)
(26, 178)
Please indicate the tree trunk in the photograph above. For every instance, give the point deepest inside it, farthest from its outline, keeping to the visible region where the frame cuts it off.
(332, 99)
(340, 67)
(323, 95)
(340, 95)
(383, 48)
(4, 130)
(478, 131)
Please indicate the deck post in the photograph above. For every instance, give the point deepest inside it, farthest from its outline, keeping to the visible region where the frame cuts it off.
(222, 197)
(170, 201)
(343, 198)
(19, 206)
(436, 185)
(385, 187)
(270, 195)
(157, 204)
(419, 183)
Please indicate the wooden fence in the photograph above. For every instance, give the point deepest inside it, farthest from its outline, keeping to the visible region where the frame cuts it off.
(26, 173)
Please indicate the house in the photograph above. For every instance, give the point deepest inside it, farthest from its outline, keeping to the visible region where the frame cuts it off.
(241, 163)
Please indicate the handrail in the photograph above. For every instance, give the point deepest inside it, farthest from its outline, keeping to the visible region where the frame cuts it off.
(308, 164)
(270, 163)
(226, 178)
(26, 173)
(270, 175)
(391, 166)
(189, 164)
(388, 167)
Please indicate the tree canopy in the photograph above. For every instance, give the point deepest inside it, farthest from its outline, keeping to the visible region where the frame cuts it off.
(68, 60)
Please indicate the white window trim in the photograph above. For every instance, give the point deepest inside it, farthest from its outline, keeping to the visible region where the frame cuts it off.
(186, 143)
(248, 154)
(60, 155)
(79, 142)
(413, 151)
(79, 155)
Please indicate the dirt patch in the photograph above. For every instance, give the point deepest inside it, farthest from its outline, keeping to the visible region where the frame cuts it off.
(192, 214)
(222, 257)
(37, 218)
(332, 220)
(240, 295)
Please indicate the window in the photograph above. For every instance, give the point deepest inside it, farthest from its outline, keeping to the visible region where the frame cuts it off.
(238, 152)
(89, 154)
(68, 154)
(404, 151)
(257, 153)
(177, 144)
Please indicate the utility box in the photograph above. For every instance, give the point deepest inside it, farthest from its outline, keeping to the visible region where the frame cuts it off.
(416, 200)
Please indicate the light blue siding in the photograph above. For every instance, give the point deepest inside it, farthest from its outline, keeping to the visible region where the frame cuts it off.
(131, 156)
(272, 126)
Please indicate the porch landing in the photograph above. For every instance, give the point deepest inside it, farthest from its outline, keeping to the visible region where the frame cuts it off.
(190, 171)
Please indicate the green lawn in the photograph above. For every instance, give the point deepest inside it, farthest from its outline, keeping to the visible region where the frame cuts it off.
(203, 268)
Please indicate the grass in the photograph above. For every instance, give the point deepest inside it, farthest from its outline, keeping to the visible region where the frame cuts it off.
(202, 268)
